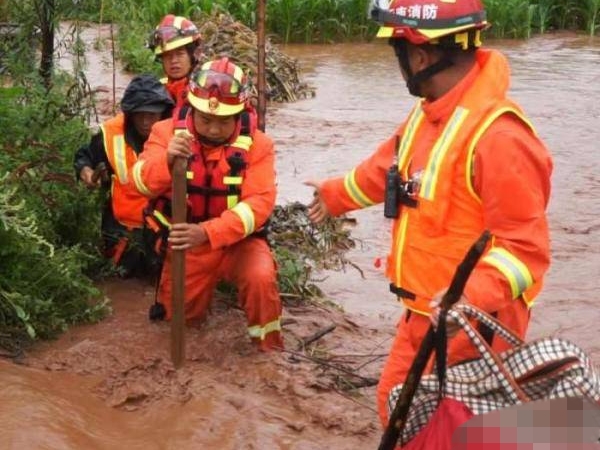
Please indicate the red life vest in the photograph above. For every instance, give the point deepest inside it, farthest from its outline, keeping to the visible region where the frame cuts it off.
(214, 186)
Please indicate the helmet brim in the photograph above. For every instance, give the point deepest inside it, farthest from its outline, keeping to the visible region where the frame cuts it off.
(215, 108)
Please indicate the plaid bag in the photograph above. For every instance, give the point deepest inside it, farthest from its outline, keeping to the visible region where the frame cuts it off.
(541, 369)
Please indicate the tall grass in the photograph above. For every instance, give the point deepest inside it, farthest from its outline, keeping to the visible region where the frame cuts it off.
(309, 21)
(520, 18)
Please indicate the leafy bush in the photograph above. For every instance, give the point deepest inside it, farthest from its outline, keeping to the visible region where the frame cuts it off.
(48, 224)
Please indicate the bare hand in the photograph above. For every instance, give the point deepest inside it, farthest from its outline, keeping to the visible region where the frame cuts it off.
(179, 145)
(317, 209)
(452, 327)
(187, 235)
(86, 175)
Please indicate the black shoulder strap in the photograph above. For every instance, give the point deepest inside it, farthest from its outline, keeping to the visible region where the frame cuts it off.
(245, 123)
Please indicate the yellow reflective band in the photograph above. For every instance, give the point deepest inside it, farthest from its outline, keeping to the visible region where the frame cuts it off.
(177, 22)
(189, 175)
(246, 215)
(399, 247)
(512, 268)
(438, 153)
(414, 121)
(440, 32)
(232, 180)
(120, 158)
(238, 74)
(162, 219)
(355, 193)
(243, 142)
(259, 332)
(470, 172)
(139, 182)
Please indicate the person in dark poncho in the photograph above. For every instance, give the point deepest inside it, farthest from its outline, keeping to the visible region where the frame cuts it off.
(105, 163)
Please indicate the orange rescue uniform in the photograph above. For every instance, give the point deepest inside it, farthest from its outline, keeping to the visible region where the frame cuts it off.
(474, 162)
(231, 253)
(127, 203)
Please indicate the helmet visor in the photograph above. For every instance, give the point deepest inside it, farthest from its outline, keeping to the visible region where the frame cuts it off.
(208, 83)
(163, 35)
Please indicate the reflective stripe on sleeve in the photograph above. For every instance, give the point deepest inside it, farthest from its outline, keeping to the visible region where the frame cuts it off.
(512, 268)
(355, 193)
(259, 332)
(246, 215)
(137, 179)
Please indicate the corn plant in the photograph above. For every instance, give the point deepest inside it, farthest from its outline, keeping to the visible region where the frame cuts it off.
(543, 12)
(590, 10)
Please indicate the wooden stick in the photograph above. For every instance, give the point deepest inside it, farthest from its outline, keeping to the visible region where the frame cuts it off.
(399, 414)
(260, 38)
(179, 206)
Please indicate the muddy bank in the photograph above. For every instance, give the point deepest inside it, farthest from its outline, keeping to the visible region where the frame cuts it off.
(112, 385)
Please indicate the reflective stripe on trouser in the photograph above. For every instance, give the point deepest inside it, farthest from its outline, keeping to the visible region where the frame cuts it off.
(409, 335)
(249, 265)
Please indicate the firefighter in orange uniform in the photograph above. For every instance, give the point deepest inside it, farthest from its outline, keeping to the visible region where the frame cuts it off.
(117, 145)
(176, 41)
(466, 159)
(231, 194)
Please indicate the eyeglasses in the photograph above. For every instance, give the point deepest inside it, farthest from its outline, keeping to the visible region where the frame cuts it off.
(208, 83)
(164, 35)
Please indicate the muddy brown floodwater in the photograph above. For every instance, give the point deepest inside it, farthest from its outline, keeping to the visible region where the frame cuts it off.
(111, 385)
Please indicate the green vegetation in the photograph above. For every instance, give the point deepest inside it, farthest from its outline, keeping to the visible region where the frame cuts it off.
(522, 18)
(47, 223)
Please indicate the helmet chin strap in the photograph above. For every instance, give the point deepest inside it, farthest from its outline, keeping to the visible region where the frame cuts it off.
(414, 80)
(413, 83)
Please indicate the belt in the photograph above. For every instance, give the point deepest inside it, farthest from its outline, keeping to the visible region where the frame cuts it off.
(401, 292)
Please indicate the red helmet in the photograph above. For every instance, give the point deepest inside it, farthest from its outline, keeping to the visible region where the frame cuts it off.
(218, 87)
(426, 21)
(173, 32)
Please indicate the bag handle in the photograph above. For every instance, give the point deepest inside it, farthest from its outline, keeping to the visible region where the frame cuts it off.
(492, 360)
(472, 312)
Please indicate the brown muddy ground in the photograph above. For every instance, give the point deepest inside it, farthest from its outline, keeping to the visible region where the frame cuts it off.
(111, 385)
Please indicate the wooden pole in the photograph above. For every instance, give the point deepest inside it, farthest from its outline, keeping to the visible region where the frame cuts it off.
(400, 413)
(261, 69)
(179, 187)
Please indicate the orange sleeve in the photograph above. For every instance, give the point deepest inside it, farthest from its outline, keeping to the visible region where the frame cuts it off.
(512, 170)
(257, 199)
(151, 172)
(364, 185)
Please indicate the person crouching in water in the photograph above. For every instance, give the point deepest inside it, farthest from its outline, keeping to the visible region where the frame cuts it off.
(111, 153)
(231, 193)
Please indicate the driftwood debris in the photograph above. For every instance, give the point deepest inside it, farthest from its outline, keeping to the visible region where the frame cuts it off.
(315, 336)
(223, 36)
